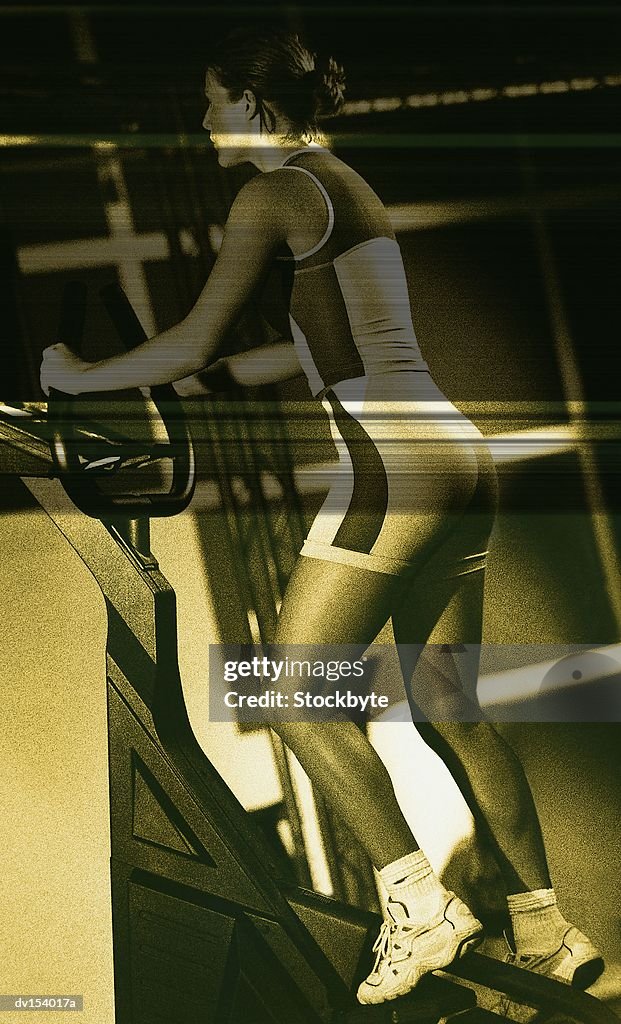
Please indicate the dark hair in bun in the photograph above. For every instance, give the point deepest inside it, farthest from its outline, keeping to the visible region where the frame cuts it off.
(286, 77)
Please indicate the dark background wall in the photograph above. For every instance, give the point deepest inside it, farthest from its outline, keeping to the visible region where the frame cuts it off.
(484, 166)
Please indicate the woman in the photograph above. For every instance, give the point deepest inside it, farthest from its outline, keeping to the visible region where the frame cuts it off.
(403, 532)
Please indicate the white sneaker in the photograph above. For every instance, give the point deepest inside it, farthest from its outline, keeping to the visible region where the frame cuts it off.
(575, 961)
(405, 952)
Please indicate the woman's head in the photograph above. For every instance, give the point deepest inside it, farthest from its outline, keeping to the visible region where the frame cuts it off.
(262, 84)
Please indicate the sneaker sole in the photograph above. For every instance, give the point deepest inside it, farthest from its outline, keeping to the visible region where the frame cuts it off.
(466, 945)
(587, 974)
(584, 976)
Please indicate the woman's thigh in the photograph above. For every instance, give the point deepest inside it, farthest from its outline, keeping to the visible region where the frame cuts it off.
(327, 602)
(437, 627)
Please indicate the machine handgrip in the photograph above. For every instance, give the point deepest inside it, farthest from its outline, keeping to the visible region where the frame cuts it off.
(80, 484)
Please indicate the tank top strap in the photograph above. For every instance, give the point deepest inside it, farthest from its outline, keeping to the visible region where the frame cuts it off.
(329, 205)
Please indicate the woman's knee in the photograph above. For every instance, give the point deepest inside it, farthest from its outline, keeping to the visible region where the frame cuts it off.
(451, 711)
(463, 733)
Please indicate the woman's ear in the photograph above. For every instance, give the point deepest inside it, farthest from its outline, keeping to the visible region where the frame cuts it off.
(250, 102)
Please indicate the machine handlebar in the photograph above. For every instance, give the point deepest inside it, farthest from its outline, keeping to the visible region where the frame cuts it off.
(80, 484)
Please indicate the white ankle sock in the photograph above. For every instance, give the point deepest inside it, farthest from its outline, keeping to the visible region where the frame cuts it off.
(411, 880)
(538, 925)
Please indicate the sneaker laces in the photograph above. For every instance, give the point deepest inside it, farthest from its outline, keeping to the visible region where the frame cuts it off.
(385, 941)
(383, 944)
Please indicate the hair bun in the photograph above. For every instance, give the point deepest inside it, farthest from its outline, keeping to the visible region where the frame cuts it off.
(330, 86)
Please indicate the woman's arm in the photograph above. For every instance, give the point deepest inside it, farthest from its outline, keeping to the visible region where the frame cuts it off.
(267, 364)
(254, 230)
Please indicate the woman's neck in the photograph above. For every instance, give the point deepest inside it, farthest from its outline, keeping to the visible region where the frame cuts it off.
(274, 154)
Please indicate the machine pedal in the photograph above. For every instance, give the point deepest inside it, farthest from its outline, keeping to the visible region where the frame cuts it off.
(476, 1015)
(433, 999)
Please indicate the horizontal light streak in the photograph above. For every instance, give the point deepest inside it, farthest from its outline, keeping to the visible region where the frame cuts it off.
(357, 140)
